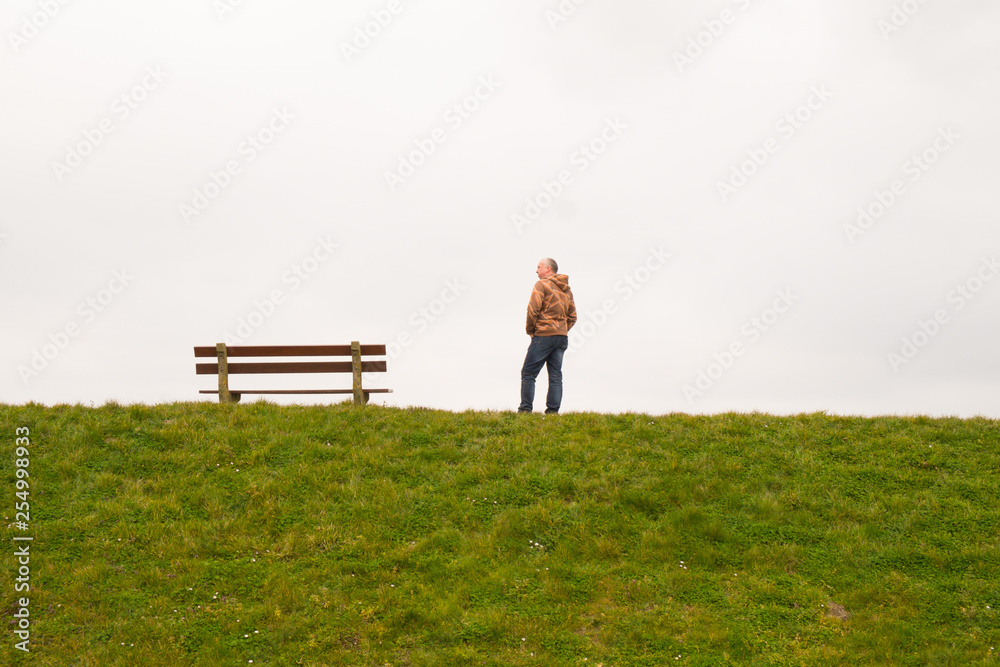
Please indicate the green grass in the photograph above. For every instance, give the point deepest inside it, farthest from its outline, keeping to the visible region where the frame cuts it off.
(201, 534)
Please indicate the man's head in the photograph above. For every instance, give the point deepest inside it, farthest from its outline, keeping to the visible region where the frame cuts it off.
(546, 267)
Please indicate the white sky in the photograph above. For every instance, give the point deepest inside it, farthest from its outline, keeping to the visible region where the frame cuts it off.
(881, 92)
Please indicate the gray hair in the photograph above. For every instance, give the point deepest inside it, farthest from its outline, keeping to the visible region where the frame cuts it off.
(551, 263)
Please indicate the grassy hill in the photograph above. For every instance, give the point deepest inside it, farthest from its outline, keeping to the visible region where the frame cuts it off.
(200, 534)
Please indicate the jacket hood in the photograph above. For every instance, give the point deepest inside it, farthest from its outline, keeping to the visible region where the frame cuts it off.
(561, 281)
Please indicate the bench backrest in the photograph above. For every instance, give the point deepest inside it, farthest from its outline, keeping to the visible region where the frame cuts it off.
(355, 350)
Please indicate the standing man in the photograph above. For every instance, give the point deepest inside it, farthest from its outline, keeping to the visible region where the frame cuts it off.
(551, 314)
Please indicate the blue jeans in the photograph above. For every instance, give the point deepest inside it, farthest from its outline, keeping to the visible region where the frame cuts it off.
(543, 351)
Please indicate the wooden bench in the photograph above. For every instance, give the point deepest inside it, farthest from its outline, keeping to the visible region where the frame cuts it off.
(355, 351)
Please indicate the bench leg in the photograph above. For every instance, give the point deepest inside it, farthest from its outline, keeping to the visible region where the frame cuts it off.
(360, 396)
(223, 356)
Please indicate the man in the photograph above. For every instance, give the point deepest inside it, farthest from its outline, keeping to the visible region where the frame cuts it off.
(551, 314)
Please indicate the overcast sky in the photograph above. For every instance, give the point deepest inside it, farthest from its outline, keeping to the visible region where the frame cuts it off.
(760, 204)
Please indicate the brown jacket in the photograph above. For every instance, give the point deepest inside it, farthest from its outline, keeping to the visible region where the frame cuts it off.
(551, 311)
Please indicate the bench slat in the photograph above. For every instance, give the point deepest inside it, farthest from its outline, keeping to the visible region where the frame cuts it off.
(293, 367)
(291, 351)
(296, 391)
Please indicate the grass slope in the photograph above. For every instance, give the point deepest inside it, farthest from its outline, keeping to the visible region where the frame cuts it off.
(200, 534)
